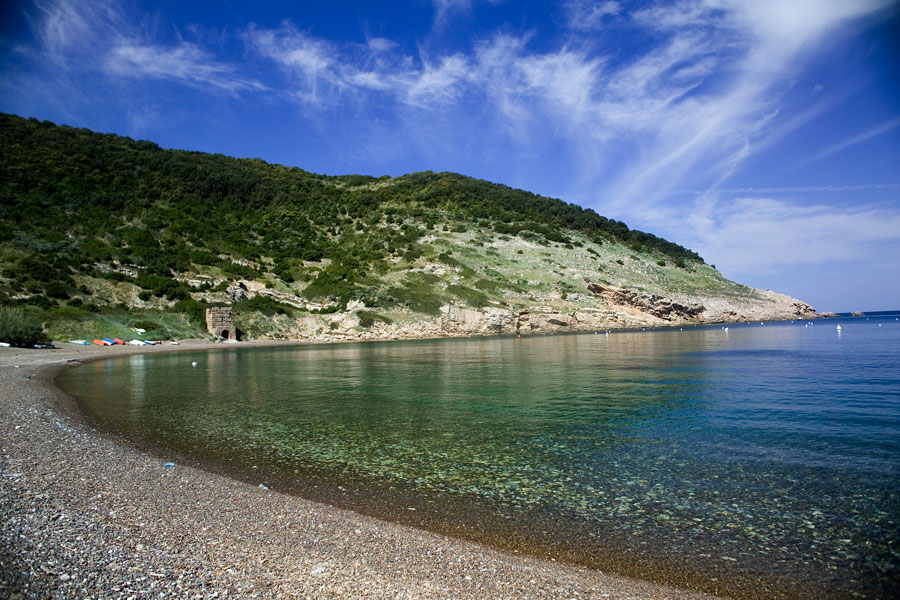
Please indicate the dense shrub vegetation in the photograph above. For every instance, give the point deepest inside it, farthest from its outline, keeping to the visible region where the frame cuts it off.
(76, 204)
(18, 329)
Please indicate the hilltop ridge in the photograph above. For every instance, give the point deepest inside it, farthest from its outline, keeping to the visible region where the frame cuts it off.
(101, 232)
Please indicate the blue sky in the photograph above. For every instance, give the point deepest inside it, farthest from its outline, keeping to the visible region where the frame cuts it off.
(763, 134)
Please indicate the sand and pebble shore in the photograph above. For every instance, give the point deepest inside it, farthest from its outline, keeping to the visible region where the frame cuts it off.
(86, 515)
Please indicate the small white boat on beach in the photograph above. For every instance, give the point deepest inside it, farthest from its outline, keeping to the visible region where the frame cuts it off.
(80, 342)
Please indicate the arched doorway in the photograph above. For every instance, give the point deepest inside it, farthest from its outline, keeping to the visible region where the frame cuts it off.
(224, 334)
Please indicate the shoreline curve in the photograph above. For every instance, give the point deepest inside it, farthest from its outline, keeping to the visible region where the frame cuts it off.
(86, 513)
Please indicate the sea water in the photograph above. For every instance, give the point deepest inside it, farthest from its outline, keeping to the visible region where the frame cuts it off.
(759, 460)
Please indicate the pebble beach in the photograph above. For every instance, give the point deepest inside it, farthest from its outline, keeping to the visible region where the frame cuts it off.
(84, 514)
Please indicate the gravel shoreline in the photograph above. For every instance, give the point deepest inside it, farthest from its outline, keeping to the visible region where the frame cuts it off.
(86, 515)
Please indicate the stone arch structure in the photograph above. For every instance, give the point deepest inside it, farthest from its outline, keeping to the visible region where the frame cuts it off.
(220, 323)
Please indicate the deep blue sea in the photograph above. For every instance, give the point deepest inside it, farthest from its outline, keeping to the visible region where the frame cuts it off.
(761, 460)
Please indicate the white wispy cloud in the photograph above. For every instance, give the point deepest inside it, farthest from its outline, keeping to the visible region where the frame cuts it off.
(749, 51)
(587, 15)
(798, 189)
(322, 73)
(435, 83)
(102, 36)
(65, 27)
(380, 44)
(757, 235)
(815, 189)
(312, 62)
(183, 62)
(849, 142)
(443, 9)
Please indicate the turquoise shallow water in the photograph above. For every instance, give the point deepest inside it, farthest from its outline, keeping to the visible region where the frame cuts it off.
(761, 461)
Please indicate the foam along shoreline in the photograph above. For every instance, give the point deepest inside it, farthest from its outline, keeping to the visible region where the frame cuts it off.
(83, 513)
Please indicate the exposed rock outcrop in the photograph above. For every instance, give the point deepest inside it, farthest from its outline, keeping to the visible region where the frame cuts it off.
(761, 305)
(616, 308)
(803, 310)
(245, 290)
(657, 306)
(458, 320)
(605, 307)
(237, 292)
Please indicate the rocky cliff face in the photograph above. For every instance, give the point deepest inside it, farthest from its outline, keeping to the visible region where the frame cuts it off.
(612, 308)
(648, 304)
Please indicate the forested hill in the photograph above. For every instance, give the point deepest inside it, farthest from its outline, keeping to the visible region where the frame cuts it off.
(169, 229)
(108, 189)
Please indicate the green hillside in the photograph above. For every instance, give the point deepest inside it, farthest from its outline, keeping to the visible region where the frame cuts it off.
(101, 231)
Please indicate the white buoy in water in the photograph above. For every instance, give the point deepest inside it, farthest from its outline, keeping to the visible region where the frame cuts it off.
(838, 327)
(194, 364)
